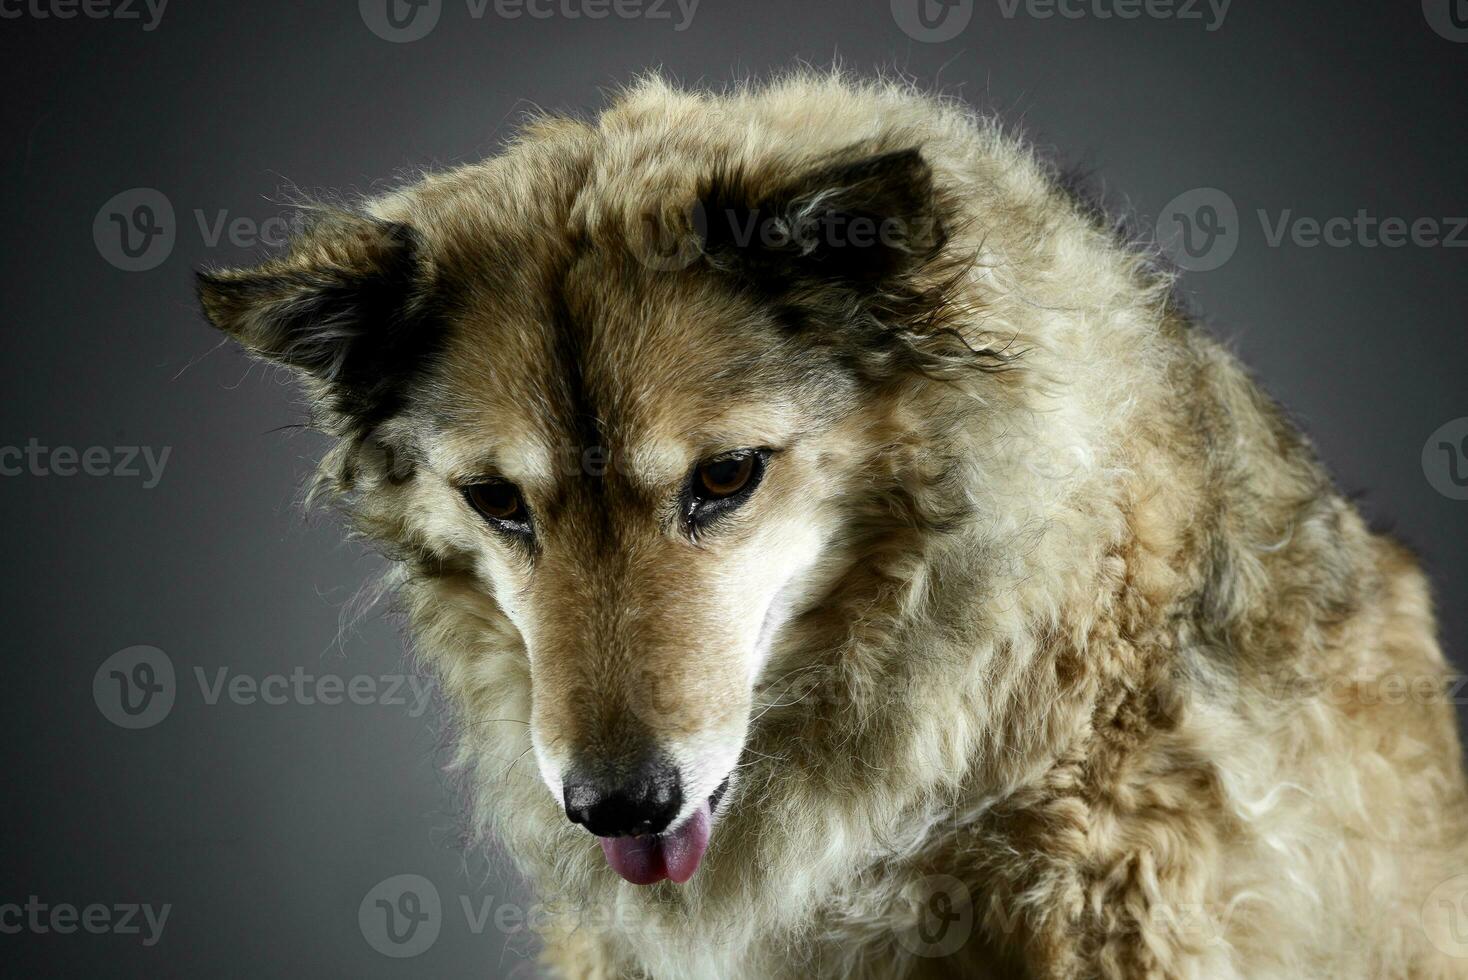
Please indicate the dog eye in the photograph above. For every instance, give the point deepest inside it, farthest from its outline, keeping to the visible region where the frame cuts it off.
(719, 485)
(724, 477)
(499, 503)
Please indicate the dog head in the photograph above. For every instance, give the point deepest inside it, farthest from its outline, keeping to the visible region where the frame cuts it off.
(629, 400)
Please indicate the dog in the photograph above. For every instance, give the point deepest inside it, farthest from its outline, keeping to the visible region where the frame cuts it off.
(842, 555)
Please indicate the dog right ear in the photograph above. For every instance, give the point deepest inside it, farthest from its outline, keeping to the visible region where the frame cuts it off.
(860, 218)
(858, 251)
(349, 307)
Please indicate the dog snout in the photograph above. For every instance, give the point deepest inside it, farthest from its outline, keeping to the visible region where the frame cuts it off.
(644, 801)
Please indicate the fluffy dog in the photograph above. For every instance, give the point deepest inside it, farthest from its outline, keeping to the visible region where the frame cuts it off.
(880, 572)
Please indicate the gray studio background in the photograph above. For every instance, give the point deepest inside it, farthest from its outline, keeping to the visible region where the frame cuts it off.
(265, 827)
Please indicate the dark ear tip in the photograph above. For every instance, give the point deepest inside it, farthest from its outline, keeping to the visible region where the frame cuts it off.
(206, 293)
(219, 295)
(208, 285)
(909, 158)
(399, 231)
(909, 165)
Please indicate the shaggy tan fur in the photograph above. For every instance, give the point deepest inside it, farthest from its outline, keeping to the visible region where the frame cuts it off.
(1092, 673)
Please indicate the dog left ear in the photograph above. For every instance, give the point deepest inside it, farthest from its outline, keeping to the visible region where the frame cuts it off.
(862, 219)
(348, 307)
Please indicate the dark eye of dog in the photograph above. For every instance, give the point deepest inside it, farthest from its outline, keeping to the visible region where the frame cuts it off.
(724, 477)
(499, 503)
(721, 484)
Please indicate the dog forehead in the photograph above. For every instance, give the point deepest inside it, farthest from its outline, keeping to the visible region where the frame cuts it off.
(596, 372)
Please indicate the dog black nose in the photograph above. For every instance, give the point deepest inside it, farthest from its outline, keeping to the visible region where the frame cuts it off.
(644, 803)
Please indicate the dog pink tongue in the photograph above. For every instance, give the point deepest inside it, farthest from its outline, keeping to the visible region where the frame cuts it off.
(674, 855)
